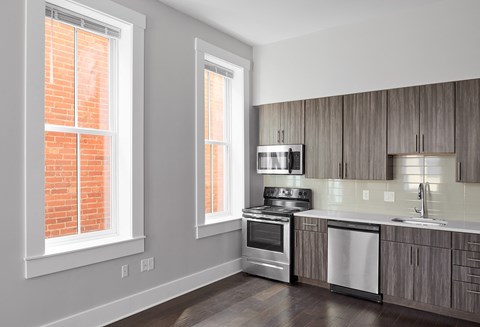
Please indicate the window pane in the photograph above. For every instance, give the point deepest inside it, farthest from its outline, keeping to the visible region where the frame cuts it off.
(95, 174)
(60, 184)
(208, 179)
(218, 172)
(59, 86)
(93, 78)
(215, 102)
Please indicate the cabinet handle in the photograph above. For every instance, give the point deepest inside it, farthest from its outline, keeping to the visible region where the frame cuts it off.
(416, 143)
(474, 260)
(473, 243)
(411, 255)
(339, 170)
(423, 142)
(283, 136)
(278, 136)
(307, 224)
(473, 276)
(459, 171)
(418, 257)
(473, 292)
(345, 170)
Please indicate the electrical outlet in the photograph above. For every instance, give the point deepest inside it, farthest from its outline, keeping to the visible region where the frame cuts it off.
(144, 265)
(389, 196)
(366, 195)
(151, 263)
(124, 271)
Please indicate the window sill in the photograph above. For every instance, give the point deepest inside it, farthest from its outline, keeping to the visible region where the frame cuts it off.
(62, 258)
(215, 226)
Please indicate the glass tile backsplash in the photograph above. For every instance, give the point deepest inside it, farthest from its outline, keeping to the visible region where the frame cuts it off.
(446, 198)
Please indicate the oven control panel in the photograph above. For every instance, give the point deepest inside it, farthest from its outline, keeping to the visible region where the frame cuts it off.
(287, 193)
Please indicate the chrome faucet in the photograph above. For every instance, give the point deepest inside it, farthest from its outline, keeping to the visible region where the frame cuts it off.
(421, 197)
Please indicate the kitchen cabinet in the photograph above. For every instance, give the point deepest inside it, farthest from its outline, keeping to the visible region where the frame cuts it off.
(396, 269)
(467, 131)
(365, 137)
(282, 123)
(403, 120)
(324, 137)
(310, 248)
(421, 119)
(416, 264)
(466, 272)
(437, 118)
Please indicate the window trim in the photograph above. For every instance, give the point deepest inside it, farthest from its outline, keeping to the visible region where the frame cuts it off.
(240, 157)
(130, 239)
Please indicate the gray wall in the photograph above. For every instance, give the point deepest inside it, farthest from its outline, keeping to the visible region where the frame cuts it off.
(169, 176)
(433, 43)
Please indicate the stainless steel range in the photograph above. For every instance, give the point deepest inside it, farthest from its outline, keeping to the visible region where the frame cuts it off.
(267, 231)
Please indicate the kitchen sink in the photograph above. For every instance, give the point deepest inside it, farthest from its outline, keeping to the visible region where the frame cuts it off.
(421, 221)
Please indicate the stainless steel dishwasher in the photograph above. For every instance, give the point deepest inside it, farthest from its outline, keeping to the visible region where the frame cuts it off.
(353, 259)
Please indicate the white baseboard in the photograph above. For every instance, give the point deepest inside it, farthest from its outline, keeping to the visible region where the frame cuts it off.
(122, 308)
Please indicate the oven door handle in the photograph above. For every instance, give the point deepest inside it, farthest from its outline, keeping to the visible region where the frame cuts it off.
(268, 219)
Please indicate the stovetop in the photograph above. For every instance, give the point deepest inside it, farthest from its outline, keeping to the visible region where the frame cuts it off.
(271, 210)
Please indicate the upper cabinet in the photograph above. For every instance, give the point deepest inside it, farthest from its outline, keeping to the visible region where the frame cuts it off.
(421, 119)
(323, 137)
(403, 120)
(468, 131)
(365, 137)
(437, 118)
(282, 123)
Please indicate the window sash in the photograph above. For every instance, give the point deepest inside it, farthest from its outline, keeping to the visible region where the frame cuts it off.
(79, 131)
(226, 144)
(226, 179)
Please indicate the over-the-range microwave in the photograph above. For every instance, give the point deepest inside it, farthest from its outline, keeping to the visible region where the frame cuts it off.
(281, 159)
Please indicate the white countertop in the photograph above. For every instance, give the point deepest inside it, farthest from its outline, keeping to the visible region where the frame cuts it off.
(452, 225)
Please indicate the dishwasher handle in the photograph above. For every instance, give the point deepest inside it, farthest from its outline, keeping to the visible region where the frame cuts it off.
(372, 228)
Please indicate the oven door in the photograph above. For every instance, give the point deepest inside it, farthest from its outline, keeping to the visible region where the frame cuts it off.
(280, 159)
(266, 239)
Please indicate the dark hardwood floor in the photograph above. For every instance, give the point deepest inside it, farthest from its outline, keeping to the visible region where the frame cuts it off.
(243, 300)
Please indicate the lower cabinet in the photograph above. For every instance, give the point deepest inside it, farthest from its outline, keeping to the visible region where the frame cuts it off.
(310, 253)
(418, 273)
(466, 272)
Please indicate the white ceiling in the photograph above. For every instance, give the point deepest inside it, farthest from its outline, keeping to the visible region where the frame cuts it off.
(259, 22)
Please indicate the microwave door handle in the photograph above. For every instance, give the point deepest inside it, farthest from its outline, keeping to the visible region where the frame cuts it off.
(290, 160)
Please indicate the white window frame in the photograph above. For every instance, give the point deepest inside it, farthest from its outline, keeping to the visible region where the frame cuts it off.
(238, 179)
(48, 256)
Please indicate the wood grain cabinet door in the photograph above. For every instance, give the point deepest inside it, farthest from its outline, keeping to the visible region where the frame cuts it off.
(310, 255)
(467, 131)
(323, 137)
(292, 122)
(269, 124)
(307, 257)
(403, 120)
(397, 264)
(365, 137)
(433, 276)
(437, 118)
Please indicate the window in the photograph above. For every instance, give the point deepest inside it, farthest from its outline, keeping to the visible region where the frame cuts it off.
(222, 110)
(84, 134)
(218, 90)
(80, 126)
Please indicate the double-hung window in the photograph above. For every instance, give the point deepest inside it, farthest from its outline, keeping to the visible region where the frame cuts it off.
(84, 134)
(80, 125)
(222, 111)
(218, 106)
